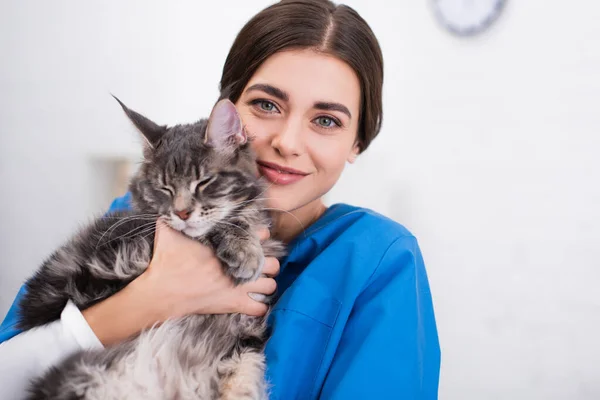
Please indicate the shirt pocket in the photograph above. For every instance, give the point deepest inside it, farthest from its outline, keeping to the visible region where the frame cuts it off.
(302, 321)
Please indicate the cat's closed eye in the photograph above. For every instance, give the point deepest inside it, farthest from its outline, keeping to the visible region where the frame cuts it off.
(167, 190)
(204, 182)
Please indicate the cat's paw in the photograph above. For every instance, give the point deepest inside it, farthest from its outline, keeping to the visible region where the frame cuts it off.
(243, 259)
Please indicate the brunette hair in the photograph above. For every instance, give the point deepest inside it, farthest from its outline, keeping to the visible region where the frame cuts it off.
(316, 24)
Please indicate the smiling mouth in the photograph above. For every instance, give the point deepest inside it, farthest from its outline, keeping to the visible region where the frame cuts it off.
(280, 169)
(279, 175)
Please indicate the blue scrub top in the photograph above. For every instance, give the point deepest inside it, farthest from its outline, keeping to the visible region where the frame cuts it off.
(354, 319)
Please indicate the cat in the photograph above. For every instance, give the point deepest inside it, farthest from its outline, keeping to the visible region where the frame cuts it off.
(202, 179)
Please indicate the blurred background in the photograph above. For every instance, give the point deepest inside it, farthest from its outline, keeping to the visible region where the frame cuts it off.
(488, 154)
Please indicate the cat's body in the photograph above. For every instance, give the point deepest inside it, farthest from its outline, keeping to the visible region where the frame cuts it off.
(202, 181)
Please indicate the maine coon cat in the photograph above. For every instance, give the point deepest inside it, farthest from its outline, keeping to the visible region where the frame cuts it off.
(202, 179)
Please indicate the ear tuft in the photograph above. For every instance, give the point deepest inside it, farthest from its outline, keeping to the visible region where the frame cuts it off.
(152, 132)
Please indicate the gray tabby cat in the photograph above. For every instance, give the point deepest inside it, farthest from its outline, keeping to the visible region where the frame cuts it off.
(202, 179)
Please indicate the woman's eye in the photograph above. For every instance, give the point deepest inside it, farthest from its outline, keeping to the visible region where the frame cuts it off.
(167, 190)
(266, 105)
(326, 122)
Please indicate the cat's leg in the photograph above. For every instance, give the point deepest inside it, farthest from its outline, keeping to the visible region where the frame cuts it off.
(243, 377)
(124, 371)
(273, 248)
(83, 275)
(240, 250)
(48, 291)
(73, 379)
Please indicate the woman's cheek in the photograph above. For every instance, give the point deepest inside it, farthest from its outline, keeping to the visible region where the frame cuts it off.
(249, 119)
(327, 152)
(260, 129)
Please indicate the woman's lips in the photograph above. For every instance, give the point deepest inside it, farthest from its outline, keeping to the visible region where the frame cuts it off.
(278, 174)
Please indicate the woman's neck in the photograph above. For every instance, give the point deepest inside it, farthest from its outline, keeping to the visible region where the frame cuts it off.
(288, 225)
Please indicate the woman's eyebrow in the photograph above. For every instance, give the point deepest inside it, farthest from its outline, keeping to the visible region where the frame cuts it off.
(326, 106)
(282, 95)
(269, 89)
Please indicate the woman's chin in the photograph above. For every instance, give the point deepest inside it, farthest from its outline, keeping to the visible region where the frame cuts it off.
(279, 206)
(283, 202)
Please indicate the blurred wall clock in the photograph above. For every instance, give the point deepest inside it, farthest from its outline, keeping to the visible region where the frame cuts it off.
(467, 17)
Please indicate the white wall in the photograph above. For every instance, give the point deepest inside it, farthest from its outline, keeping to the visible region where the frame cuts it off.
(487, 155)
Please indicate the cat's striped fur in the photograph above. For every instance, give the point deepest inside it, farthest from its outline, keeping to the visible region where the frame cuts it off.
(202, 179)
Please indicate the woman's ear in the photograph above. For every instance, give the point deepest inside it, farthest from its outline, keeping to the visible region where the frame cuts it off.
(353, 153)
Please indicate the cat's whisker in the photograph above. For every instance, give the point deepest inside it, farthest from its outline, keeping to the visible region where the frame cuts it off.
(266, 188)
(234, 225)
(287, 212)
(133, 231)
(248, 201)
(141, 228)
(145, 235)
(121, 222)
(118, 219)
(257, 198)
(112, 228)
(152, 231)
(112, 216)
(134, 217)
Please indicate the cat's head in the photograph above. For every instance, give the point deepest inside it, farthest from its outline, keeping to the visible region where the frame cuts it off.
(195, 175)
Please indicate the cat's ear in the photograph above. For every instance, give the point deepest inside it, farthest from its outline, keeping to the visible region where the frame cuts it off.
(225, 131)
(151, 131)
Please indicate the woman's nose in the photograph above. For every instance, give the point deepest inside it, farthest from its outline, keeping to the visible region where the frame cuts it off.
(288, 141)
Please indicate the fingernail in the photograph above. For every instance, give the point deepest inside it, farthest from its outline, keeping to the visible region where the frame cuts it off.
(257, 297)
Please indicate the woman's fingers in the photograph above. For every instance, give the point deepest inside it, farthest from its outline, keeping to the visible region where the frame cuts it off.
(271, 267)
(253, 308)
(179, 260)
(263, 234)
(253, 294)
(265, 286)
(160, 225)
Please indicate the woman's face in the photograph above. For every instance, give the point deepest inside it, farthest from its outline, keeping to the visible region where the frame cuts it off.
(301, 110)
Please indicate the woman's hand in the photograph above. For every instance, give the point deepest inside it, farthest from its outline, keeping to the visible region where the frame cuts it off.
(184, 277)
(187, 278)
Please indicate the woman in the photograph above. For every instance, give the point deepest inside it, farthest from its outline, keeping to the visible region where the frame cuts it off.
(354, 317)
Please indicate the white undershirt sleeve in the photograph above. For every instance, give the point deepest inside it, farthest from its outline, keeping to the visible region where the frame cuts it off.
(30, 353)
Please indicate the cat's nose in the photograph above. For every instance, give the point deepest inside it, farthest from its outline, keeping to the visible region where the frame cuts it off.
(184, 214)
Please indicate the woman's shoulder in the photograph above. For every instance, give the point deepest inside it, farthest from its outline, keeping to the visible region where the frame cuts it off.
(375, 248)
(361, 225)
(371, 232)
(356, 241)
